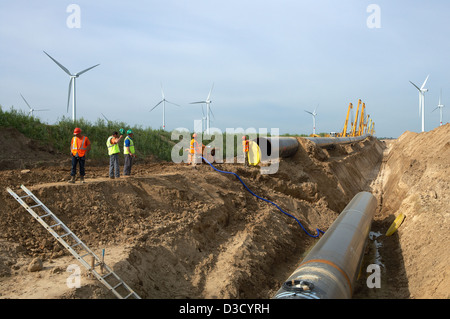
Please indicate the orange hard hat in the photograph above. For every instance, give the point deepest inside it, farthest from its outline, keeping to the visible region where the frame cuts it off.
(76, 131)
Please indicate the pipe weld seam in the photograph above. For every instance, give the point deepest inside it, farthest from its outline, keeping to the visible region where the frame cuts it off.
(324, 261)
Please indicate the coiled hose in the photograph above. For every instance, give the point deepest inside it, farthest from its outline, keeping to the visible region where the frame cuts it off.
(266, 200)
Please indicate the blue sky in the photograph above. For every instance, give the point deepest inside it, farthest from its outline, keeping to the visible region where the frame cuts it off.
(269, 61)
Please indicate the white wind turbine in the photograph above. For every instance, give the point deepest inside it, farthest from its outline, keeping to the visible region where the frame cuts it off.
(71, 84)
(31, 109)
(422, 101)
(163, 101)
(208, 109)
(440, 106)
(314, 119)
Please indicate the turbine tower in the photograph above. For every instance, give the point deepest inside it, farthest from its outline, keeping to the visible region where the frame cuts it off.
(440, 106)
(163, 101)
(208, 109)
(422, 91)
(314, 119)
(31, 109)
(71, 84)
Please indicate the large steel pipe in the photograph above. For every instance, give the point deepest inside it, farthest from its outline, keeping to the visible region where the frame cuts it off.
(330, 270)
(326, 141)
(275, 146)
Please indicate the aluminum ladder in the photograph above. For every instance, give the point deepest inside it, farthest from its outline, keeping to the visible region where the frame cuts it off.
(72, 243)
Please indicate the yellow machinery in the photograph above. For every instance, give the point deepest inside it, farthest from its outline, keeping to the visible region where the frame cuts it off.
(361, 121)
(354, 133)
(344, 131)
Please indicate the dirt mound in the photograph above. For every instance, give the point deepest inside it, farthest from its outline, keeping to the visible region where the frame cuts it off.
(416, 182)
(18, 151)
(171, 231)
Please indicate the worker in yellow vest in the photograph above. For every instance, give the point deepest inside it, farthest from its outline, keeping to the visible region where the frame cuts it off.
(80, 146)
(245, 146)
(113, 151)
(129, 152)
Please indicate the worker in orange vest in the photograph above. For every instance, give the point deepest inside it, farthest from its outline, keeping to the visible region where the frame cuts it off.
(79, 148)
(245, 146)
(195, 151)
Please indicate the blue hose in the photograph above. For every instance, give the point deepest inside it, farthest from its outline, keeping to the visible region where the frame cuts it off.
(266, 200)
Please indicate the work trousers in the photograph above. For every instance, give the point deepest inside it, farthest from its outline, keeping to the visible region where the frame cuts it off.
(127, 165)
(78, 160)
(114, 170)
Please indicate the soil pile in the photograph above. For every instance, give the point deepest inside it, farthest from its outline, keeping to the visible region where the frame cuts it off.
(416, 182)
(171, 231)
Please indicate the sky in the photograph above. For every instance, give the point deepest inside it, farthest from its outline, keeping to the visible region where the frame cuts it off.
(269, 61)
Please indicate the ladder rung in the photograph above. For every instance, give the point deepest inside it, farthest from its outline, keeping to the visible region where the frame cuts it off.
(128, 295)
(55, 225)
(108, 274)
(120, 283)
(85, 255)
(67, 234)
(24, 196)
(35, 206)
(44, 215)
(75, 244)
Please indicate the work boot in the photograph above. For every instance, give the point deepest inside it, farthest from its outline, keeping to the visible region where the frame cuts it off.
(82, 179)
(72, 179)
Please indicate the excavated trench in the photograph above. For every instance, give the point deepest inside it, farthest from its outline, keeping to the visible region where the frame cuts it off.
(171, 231)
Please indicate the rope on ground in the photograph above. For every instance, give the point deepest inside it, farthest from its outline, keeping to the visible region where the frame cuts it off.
(266, 200)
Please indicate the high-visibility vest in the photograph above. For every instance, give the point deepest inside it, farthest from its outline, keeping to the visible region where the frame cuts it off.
(245, 145)
(125, 151)
(81, 149)
(112, 148)
(196, 148)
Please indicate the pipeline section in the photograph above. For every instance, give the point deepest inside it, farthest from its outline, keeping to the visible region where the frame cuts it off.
(264, 148)
(330, 269)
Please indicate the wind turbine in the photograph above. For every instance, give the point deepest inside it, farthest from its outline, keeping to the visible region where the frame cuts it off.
(422, 101)
(31, 109)
(71, 84)
(314, 119)
(208, 110)
(163, 101)
(440, 106)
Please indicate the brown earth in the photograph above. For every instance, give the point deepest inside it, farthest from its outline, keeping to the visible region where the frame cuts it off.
(171, 231)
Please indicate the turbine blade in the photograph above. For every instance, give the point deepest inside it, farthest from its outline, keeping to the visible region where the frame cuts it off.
(68, 97)
(210, 110)
(308, 112)
(25, 101)
(435, 109)
(79, 73)
(414, 85)
(202, 102)
(207, 99)
(156, 105)
(172, 103)
(59, 64)
(42, 110)
(425, 82)
(105, 117)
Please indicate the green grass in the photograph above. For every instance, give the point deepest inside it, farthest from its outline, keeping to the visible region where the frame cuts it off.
(148, 141)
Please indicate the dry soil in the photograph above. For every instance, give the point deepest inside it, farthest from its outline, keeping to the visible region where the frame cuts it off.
(171, 231)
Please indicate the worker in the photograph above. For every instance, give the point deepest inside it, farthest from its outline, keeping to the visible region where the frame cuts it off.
(245, 146)
(79, 148)
(113, 151)
(195, 151)
(129, 152)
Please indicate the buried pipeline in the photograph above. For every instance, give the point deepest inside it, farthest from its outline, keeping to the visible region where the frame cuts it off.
(264, 148)
(330, 269)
